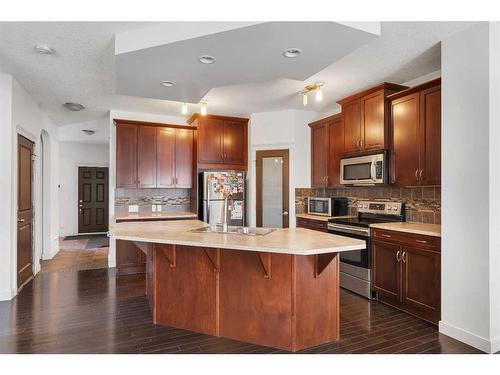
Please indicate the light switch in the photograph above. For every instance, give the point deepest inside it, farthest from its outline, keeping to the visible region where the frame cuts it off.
(153, 207)
(133, 208)
(158, 207)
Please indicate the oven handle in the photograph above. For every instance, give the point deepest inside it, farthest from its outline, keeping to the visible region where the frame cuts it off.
(348, 229)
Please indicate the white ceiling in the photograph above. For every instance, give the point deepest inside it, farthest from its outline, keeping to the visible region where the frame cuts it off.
(82, 70)
(244, 55)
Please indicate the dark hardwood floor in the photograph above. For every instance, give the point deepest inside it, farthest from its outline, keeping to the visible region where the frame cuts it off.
(96, 311)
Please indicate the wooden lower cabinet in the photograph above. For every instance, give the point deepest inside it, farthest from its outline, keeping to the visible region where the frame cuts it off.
(129, 258)
(406, 272)
(319, 225)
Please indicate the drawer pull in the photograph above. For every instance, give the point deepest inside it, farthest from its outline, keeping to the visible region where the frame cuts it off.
(421, 241)
(386, 235)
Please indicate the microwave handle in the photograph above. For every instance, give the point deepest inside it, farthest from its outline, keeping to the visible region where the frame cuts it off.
(373, 171)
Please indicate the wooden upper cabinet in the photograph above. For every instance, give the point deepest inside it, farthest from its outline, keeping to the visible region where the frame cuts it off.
(366, 119)
(146, 157)
(327, 144)
(416, 135)
(405, 150)
(154, 155)
(184, 158)
(430, 135)
(351, 113)
(319, 155)
(165, 157)
(234, 134)
(222, 141)
(210, 140)
(126, 156)
(335, 150)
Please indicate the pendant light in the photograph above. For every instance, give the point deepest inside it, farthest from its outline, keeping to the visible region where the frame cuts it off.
(184, 108)
(304, 99)
(319, 94)
(203, 108)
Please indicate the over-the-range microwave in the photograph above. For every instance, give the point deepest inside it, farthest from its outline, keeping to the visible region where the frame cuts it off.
(364, 170)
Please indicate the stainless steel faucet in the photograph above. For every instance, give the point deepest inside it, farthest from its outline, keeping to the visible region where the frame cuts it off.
(225, 223)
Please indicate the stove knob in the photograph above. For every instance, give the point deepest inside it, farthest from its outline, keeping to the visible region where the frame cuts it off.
(365, 206)
(360, 206)
(389, 208)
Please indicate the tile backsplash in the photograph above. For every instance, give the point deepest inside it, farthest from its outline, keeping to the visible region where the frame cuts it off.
(171, 200)
(422, 204)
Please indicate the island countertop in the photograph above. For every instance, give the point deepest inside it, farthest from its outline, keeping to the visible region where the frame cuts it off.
(296, 241)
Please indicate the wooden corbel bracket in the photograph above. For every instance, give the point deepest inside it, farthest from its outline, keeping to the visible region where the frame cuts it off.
(265, 261)
(321, 261)
(169, 252)
(213, 256)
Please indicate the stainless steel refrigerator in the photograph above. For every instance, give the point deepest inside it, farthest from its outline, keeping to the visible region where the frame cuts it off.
(216, 186)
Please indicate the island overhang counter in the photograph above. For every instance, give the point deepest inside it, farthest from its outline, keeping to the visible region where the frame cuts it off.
(279, 290)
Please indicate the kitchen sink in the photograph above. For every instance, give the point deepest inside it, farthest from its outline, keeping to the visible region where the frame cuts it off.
(245, 231)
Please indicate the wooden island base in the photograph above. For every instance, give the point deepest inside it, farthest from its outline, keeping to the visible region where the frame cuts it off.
(284, 301)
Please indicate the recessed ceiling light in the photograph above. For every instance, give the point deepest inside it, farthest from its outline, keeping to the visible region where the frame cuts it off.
(44, 49)
(88, 131)
(73, 106)
(167, 83)
(292, 52)
(206, 59)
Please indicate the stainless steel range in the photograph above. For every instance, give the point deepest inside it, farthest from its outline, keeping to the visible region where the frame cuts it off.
(355, 266)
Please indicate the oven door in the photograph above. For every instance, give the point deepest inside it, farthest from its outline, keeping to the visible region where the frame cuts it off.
(358, 258)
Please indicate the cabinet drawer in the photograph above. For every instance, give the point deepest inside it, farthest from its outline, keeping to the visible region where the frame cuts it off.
(312, 224)
(408, 239)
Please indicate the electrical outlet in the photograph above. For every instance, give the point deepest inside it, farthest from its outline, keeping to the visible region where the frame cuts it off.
(158, 207)
(133, 208)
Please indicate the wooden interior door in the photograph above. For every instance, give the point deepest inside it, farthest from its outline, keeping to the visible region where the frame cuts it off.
(267, 187)
(146, 157)
(234, 141)
(373, 128)
(351, 113)
(24, 211)
(386, 269)
(319, 155)
(92, 199)
(184, 158)
(210, 134)
(126, 156)
(335, 150)
(430, 136)
(421, 276)
(405, 127)
(165, 158)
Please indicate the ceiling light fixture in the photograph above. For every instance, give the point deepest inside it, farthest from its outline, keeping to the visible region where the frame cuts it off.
(167, 83)
(316, 88)
(44, 49)
(88, 131)
(184, 110)
(203, 108)
(292, 52)
(206, 59)
(73, 106)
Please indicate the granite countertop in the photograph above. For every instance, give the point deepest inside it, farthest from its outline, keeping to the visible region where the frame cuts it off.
(415, 228)
(297, 241)
(156, 216)
(321, 217)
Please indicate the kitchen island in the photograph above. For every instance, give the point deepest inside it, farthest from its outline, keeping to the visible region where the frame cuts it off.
(280, 289)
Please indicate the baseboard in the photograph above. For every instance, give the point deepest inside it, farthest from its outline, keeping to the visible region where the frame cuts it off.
(495, 345)
(7, 295)
(466, 337)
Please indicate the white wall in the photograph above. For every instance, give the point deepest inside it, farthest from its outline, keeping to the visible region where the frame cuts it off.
(281, 130)
(20, 114)
(71, 156)
(125, 115)
(466, 195)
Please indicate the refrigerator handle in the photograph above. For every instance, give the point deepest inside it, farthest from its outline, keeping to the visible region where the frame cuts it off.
(207, 202)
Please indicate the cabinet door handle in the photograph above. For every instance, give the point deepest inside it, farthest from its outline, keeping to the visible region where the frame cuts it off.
(416, 174)
(360, 143)
(404, 257)
(225, 156)
(326, 180)
(421, 173)
(398, 256)
(421, 241)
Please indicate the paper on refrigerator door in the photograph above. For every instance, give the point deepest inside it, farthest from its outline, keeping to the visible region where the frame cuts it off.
(237, 211)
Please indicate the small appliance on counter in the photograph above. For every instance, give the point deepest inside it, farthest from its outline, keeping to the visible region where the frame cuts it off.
(334, 206)
(223, 197)
(364, 170)
(355, 266)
